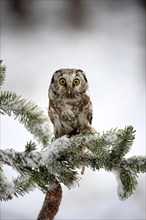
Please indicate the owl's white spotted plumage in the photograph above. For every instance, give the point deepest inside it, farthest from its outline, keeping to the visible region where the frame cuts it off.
(70, 107)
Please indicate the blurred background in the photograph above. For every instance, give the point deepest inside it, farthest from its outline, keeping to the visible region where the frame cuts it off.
(107, 40)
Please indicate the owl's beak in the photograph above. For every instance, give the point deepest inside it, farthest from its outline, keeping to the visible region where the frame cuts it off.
(69, 90)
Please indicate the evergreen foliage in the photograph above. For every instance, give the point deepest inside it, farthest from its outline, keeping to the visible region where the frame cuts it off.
(60, 158)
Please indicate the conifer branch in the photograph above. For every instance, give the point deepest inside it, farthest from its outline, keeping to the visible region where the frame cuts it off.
(66, 154)
(29, 114)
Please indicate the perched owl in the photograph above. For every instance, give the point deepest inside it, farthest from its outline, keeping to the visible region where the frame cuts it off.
(70, 108)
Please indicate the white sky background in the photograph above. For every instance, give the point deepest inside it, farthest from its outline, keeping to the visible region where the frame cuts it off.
(110, 48)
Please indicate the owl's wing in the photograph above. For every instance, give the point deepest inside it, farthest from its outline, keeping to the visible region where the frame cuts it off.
(51, 111)
(86, 110)
(50, 114)
(89, 112)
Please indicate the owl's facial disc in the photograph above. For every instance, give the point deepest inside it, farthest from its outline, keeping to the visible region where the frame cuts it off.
(69, 82)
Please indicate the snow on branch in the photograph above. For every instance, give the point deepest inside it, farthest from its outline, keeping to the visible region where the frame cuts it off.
(65, 154)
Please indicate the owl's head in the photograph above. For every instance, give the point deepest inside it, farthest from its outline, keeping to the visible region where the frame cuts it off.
(68, 82)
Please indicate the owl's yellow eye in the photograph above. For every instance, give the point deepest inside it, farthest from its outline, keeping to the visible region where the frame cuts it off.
(62, 81)
(76, 82)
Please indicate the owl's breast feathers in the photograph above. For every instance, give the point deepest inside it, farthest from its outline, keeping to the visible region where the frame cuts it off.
(68, 114)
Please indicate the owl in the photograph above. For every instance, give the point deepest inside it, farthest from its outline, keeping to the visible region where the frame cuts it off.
(70, 107)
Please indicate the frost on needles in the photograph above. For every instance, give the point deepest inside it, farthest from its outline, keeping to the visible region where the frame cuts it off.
(59, 159)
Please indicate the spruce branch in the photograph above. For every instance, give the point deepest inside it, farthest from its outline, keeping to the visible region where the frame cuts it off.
(127, 183)
(18, 186)
(29, 114)
(65, 154)
(120, 148)
(136, 164)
